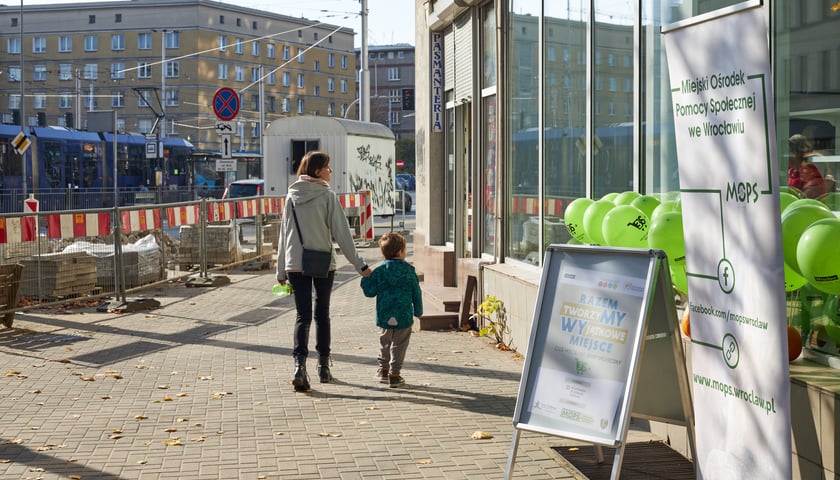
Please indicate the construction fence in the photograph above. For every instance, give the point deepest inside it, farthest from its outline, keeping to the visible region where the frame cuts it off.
(53, 257)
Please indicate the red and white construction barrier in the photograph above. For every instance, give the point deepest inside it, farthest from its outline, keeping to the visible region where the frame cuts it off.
(141, 220)
(17, 229)
(530, 206)
(273, 205)
(177, 216)
(78, 225)
(362, 200)
(219, 211)
(246, 208)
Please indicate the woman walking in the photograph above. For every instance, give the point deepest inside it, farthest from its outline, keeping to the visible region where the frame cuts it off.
(312, 219)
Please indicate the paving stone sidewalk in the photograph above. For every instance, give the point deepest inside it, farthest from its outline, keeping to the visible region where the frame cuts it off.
(199, 388)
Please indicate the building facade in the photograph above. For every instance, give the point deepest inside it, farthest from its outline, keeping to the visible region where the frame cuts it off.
(391, 75)
(524, 106)
(162, 62)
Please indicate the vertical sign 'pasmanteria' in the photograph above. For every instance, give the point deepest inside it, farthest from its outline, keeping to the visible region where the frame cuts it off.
(437, 82)
(719, 66)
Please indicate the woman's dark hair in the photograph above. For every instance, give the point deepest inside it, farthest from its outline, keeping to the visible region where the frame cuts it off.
(391, 244)
(313, 161)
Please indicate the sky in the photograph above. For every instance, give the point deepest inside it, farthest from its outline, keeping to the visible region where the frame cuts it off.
(389, 21)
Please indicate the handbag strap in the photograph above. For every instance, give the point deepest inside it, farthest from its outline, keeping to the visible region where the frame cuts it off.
(297, 225)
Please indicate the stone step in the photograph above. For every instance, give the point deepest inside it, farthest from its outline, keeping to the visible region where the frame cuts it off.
(438, 320)
(444, 299)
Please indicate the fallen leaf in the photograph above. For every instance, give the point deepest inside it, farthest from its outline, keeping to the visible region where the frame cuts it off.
(116, 431)
(170, 430)
(220, 432)
(250, 368)
(172, 442)
(163, 387)
(140, 366)
(89, 379)
(142, 462)
(75, 477)
(43, 449)
(431, 359)
(179, 420)
(167, 399)
(370, 408)
(279, 433)
(36, 469)
(140, 417)
(182, 394)
(12, 373)
(36, 391)
(106, 397)
(406, 434)
(479, 435)
(574, 449)
(115, 437)
(204, 377)
(5, 460)
(198, 439)
(17, 441)
(424, 461)
(63, 360)
(470, 364)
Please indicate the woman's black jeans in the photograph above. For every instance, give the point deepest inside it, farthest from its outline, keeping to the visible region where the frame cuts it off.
(302, 289)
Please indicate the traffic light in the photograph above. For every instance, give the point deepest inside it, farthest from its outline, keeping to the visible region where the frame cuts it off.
(408, 99)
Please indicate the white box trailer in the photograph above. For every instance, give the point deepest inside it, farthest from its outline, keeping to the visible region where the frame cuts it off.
(362, 155)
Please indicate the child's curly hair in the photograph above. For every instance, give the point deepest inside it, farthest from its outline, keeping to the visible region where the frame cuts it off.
(391, 244)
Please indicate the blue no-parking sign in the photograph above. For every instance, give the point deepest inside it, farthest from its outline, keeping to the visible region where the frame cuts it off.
(226, 103)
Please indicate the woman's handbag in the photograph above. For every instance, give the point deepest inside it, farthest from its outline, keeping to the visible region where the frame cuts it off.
(314, 263)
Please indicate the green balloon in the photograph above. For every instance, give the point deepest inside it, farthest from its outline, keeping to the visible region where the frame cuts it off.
(818, 255)
(573, 218)
(626, 198)
(785, 199)
(679, 278)
(831, 200)
(800, 202)
(795, 221)
(666, 234)
(793, 280)
(665, 206)
(610, 197)
(625, 226)
(646, 203)
(670, 196)
(792, 190)
(593, 219)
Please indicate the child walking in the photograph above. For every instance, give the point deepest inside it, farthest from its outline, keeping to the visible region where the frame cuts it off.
(398, 301)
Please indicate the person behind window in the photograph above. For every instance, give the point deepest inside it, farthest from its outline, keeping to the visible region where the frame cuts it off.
(802, 174)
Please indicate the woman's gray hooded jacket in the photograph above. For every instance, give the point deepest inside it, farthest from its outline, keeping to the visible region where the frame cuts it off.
(321, 220)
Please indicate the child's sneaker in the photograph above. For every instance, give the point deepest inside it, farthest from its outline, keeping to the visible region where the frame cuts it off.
(382, 375)
(395, 381)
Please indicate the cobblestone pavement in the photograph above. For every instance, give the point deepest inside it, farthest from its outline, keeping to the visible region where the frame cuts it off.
(200, 388)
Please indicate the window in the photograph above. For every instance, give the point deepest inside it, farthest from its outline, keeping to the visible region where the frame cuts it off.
(14, 101)
(118, 41)
(255, 103)
(395, 95)
(255, 48)
(39, 73)
(144, 70)
(393, 74)
(118, 18)
(221, 19)
(173, 69)
(382, 55)
(118, 100)
(91, 43)
(255, 74)
(91, 71)
(144, 125)
(300, 82)
(344, 86)
(331, 109)
(65, 101)
(390, 55)
(285, 105)
(300, 106)
(117, 71)
(344, 109)
(239, 48)
(254, 25)
(65, 71)
(238, 22)
(144, 41)
(271, 79)
(172, 40)
(395, 118)
(239, 73)
(91, 19)
(39, 101)
(14, 22)
(270, 50)
(300, 56)
(13, 46)
(39, 44)
(65, 44)
(287, 79)
(613, 84)
(317, 91)
(400, 54)
(611, 60)
(223, 43)
(14, 74)
(315, 36)
(330, 84)
(287, 52)
(223, 71)
(271, 104)
(343, 61)
(90, 103)
(172, 98)
(316, 66)
(628, 84)
(331, 60)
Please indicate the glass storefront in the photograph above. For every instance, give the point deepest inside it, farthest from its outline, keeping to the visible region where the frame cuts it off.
(588, 112)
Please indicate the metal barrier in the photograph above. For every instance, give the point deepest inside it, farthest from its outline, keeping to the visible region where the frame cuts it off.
(96, 253)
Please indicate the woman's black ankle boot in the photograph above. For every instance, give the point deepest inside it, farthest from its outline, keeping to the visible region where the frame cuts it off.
(324, 370)
(301, 379)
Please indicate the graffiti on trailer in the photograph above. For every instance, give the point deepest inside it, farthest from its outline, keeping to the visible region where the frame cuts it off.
(382, 189)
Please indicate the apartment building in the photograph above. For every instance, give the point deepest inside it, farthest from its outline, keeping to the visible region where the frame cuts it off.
(158, 64)
(392, 87)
